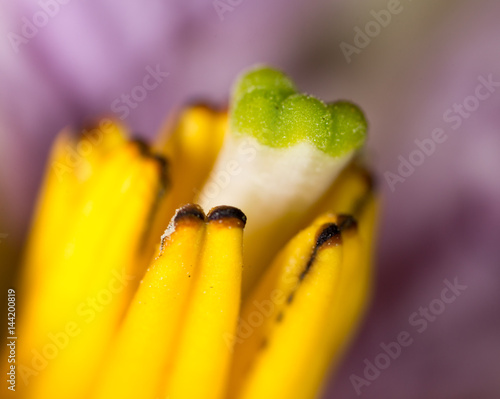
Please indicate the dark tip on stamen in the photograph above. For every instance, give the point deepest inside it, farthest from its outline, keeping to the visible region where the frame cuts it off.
(189, 211)
(227, 213)
(330, 234)
(279, 317)
(146, 152)
(371, 180)
(188, 214)
(163, 165)
(347, 222)
(162, 161)
(142, 146)
(204, 103)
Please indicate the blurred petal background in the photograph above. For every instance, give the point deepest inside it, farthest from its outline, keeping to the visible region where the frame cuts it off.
(442, 222)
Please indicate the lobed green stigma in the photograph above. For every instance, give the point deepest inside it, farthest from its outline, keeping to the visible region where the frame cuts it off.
(265, 104)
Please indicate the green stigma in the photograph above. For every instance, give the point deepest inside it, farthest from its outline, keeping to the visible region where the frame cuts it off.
(267, 106)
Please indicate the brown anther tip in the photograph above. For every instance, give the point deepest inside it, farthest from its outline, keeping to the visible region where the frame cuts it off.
(225, 213)
(163, 165)
(162, 161)
(347, 222)
(189, 211)
(204, 104)
(142, 146)
(371, 180)
(330, 234)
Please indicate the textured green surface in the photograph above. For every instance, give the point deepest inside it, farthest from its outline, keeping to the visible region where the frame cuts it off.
(266, 105)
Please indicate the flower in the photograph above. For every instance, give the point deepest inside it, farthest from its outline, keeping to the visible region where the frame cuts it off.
(432, 54)
(225, 308)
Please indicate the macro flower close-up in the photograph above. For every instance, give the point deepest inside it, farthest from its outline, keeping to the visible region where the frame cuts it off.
(249, 304)
(236, 199)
